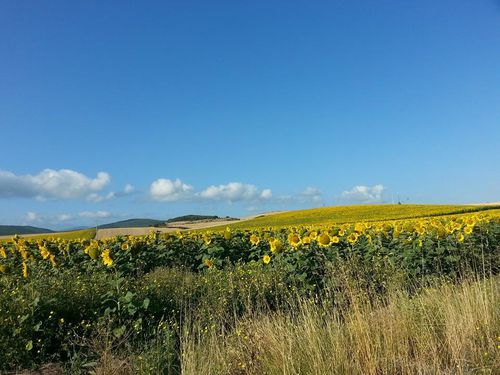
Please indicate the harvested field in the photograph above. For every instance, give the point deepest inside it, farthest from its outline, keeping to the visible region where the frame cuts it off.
(175, 226)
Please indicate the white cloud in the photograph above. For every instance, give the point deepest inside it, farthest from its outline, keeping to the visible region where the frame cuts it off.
(175, 190)
(266, 194)
(64, 217)
(170, 190)
(310, 194)
(95, 214)
(128, 189)
(32, 217)
(234, 192)
(51, 184)
(310, 191)
(94, 197)
(364, 194)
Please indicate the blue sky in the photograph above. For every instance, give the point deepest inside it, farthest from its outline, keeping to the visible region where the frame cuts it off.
(119, 109)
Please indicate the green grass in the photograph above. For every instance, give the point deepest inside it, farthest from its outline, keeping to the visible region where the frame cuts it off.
(444, 329)
(72, 235)
(349, 214)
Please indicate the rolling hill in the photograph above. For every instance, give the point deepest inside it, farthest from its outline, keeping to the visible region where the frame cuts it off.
(349, 214)
(132, 223)
(6, 230)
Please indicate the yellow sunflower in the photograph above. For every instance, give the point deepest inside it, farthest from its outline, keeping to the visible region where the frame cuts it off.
(306, 240)
(25, 270)
(254, 239)
(324, 240)
(468, 229)
(352, 238)
(207, 238)
(275, 245)
(106, 258)
(294, 240)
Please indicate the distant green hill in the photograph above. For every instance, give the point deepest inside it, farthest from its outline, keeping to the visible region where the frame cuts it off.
(191, 218)
(132, 223)
(6, 230)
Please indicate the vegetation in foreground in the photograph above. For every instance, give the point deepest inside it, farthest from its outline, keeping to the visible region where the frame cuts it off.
(354, 298)
(443, 329)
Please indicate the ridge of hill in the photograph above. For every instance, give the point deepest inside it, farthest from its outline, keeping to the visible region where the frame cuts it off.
(6, 230)
(132, 223)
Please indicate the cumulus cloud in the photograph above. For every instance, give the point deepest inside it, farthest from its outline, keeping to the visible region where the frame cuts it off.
(364, 194)
(167, 190)
(95, 214)
(64, 217)
(266, 194)
(175, 190)
(51, 184)
(234, 192)
(32, 217)
(63, 220)
(128, 189)
(35, 218)
(310, 194)
(96, 198)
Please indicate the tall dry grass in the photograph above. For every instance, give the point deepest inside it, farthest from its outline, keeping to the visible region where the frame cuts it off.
(444, 329)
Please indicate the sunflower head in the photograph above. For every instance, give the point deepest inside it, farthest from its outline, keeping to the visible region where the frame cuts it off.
(352, 238)
(306, 240)
(266, 259)
(359, 227)
(324, 240)
(254, 239)
(275, 245)
(207, 239)
(106, 258)
(227, 233)
(294, 240)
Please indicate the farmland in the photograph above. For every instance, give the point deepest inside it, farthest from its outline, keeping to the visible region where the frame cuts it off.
(350, 214)
(70, 235)
(322, 284)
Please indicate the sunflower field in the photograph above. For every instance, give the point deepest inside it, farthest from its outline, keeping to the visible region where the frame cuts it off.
(57, 294)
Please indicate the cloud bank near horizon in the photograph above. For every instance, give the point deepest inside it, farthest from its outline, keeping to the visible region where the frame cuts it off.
(50, 185)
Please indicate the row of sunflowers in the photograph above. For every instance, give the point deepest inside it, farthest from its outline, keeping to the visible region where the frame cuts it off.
(423, 245)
